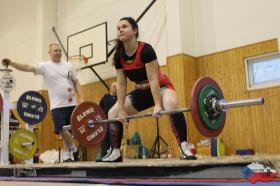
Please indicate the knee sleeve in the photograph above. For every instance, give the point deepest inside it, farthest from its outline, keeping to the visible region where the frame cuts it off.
(116, 132)
(178, 125)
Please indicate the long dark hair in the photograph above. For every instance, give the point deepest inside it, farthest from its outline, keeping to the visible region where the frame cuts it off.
(119, 49)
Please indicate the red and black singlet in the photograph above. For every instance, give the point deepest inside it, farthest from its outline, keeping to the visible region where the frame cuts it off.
(134, 66)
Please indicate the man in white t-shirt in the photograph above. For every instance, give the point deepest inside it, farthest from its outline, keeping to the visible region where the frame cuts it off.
(61, 81)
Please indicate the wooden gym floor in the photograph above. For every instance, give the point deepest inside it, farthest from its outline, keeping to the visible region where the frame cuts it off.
(136, 171)
(272, 160)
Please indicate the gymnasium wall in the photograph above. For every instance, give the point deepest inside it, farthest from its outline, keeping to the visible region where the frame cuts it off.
(193, 27)
(16, 37)
(74, 16)
(24, 36)
(224, 24)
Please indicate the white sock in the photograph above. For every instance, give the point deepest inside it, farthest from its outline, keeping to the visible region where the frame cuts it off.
(114, 155)
(117, 151)
(66, 155)
(185, 148)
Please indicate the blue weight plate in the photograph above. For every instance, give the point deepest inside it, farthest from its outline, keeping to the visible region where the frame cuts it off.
(32, 107)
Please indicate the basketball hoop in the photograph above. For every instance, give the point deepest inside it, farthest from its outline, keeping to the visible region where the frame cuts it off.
(78, 61)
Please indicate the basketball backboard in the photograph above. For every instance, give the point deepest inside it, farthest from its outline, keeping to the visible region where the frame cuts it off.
(89, 44)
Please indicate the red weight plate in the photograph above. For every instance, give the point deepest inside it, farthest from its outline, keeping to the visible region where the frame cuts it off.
(1, 103)
(194, 106)
(82, 116)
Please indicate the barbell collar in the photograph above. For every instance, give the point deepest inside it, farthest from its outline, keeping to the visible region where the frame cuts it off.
(67, 127)
(223, 105)
(26, 144)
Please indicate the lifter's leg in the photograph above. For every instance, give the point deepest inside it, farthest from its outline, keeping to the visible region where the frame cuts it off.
(69, 146)
(116, 132)
(177, 121)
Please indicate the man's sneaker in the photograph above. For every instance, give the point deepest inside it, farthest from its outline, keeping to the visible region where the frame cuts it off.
(114, 155)
(185, 152)
(76, 155)
(108, 154)
(68, 160)
(67, 157)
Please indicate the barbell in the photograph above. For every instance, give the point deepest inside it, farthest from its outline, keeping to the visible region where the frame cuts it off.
(207, 106)
(217, 106)
(89, 126)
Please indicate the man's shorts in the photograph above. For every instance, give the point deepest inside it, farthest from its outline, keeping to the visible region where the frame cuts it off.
(61, 117)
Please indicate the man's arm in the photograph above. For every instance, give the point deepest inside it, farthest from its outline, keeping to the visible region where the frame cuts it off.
(78, 90)
(18, 66)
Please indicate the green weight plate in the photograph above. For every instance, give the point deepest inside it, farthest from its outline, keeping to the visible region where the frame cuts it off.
(22, 144)
(211, 119)
(196, 112)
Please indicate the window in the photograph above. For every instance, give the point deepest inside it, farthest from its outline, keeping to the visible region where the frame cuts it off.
(263, 71)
